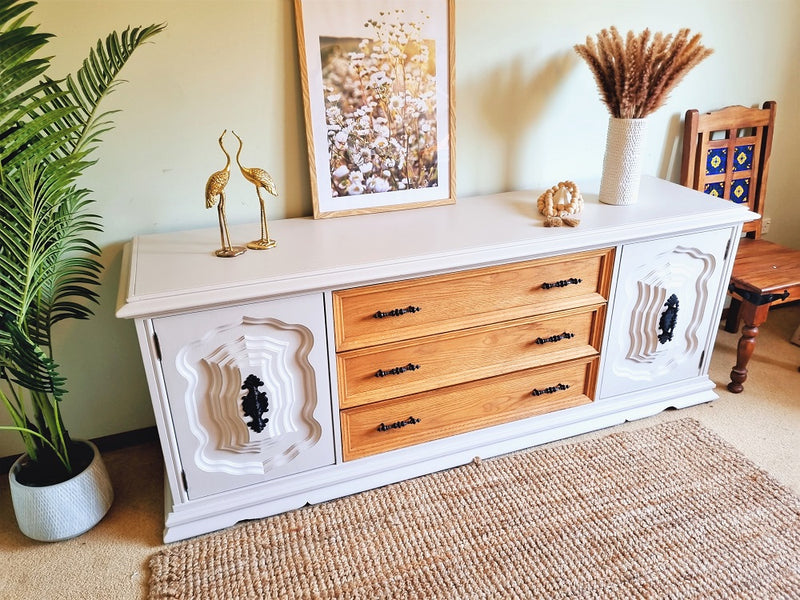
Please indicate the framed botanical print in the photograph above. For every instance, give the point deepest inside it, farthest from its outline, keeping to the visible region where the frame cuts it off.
(378, 96)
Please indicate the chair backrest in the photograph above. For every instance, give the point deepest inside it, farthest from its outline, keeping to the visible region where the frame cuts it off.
(726, 153)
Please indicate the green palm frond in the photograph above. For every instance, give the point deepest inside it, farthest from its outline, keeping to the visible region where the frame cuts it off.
(49, 266)
(40, 137)
(47, 132)
(18, 46)
(9, 10)
(62, 119)
(47, 258)
(25, 363)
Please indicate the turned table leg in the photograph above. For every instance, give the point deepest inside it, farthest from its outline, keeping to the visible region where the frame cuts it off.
(753, 316)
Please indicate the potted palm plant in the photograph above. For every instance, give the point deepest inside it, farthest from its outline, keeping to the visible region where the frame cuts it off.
(49, 270)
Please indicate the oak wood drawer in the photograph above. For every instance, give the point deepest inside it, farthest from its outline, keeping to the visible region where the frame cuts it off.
(371, 315)
(402, 422)
(407, 367)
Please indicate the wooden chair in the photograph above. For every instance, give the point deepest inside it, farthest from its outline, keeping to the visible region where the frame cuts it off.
(726, 153)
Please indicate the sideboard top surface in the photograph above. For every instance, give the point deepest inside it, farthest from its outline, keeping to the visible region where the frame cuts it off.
(175, 272)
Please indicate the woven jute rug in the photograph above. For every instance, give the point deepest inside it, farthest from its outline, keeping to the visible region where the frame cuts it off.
(670, 511)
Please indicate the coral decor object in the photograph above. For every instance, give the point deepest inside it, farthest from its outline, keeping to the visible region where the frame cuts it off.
(560, 204)
(636, 74)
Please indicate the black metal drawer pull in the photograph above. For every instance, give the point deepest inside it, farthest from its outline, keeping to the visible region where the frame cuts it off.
(668, 320)
(398, 424)
(255, 403)
(555, 338)
(396, 370)
(550, 390)
(561, 283)
(396, 312)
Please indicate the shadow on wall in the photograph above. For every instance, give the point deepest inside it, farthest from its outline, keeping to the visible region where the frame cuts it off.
(671, 154)
(511, 101)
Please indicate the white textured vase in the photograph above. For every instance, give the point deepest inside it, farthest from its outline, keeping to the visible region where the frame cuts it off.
(622, 164)
(62, 510)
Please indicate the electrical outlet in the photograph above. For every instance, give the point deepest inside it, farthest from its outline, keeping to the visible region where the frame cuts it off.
(766, 223)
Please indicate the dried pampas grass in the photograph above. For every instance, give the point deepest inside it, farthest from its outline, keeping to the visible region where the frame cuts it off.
(635, 74)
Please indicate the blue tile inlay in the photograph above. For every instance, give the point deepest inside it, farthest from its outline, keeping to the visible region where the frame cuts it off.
(716, 161)
(740, 190)
(743, 158)
(715, 189)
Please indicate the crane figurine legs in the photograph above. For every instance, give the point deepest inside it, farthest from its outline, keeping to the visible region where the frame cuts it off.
(226, 251)
(264, 242)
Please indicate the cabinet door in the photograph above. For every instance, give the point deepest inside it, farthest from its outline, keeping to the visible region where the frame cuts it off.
(248, 391)
(667, 300)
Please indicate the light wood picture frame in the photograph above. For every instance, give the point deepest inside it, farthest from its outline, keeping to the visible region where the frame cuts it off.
(378, 82)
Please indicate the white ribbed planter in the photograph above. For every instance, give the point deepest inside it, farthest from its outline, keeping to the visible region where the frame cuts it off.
(622, 164)
(63, 510)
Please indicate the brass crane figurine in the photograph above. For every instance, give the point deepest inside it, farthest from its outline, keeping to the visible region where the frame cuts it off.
(261, 179)
(215, 189)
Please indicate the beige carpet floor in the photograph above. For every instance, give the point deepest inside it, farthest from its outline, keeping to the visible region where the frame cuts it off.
(110, 562)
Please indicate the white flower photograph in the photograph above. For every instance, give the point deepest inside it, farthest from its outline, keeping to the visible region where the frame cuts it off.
(377, 82)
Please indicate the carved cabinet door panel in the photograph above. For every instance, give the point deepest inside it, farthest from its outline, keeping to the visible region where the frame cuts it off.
(668, 295)
(248, 392)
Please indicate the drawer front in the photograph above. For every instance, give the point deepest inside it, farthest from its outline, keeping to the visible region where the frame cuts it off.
(403, 368)
(402, 422)
(388, 312)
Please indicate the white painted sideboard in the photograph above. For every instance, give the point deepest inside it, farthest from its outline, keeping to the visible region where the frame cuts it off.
(365, 350)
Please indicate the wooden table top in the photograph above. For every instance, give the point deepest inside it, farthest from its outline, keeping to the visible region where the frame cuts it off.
(765, 268)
